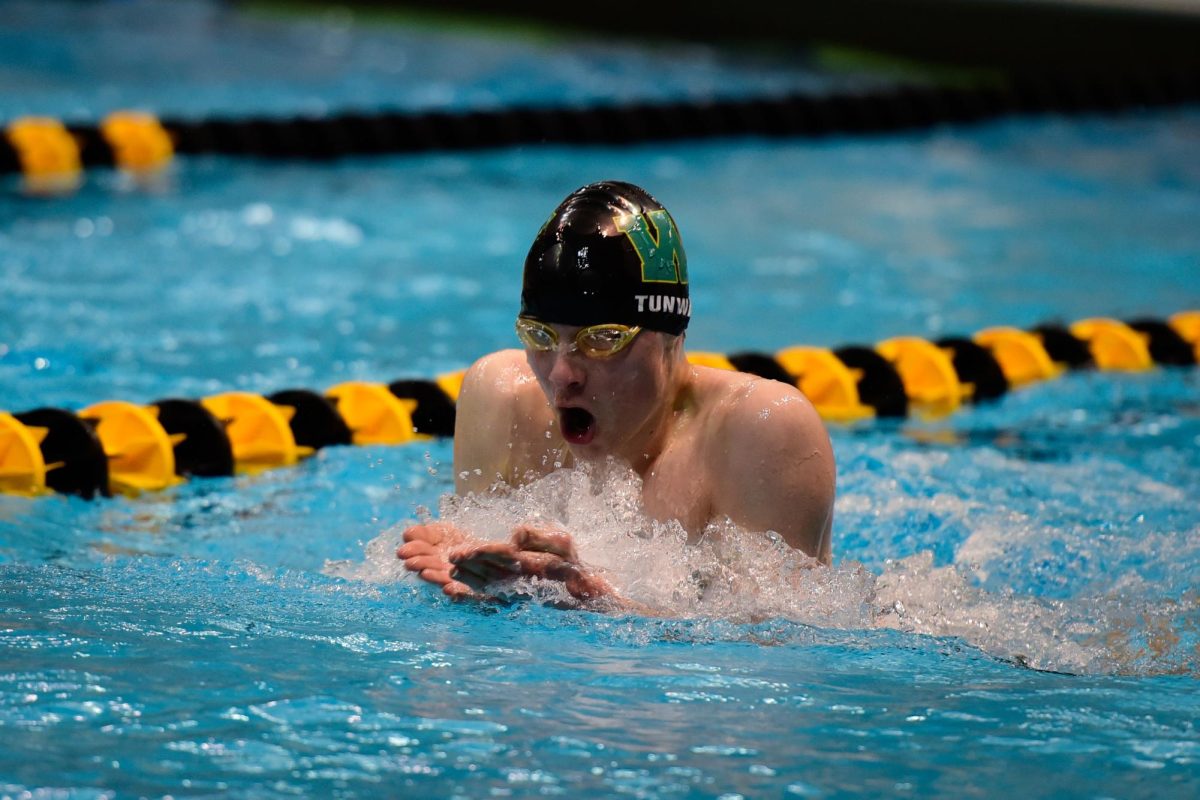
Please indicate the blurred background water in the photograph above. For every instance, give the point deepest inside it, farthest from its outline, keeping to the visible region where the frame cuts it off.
(252, 636)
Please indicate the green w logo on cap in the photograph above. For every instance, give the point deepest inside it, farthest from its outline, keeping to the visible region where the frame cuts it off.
(656, 241)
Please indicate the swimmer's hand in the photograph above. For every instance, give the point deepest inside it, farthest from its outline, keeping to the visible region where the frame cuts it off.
(531, 553)
(425, 551)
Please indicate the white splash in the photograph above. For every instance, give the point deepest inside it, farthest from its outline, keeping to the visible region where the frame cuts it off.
(743, 577)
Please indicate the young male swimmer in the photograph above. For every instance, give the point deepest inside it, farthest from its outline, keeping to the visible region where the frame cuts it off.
(603, 374)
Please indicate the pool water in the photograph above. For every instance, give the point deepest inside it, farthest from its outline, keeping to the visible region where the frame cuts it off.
(1013, 605)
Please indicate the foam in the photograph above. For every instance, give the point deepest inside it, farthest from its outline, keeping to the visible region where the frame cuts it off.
(747, 578)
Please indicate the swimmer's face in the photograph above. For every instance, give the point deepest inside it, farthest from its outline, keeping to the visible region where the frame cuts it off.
(608, 406)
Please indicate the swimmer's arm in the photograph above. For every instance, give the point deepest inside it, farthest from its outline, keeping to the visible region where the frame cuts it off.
(484, 422)
(480, 461)
(774, 468)
(498, 403)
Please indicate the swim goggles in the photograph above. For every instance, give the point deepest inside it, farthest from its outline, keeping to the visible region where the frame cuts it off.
(594, 341)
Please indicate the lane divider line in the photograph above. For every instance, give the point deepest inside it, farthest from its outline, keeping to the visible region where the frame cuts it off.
(117, 447)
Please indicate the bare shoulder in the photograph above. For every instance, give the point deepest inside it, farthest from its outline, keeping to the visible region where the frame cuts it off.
(759, 413)
(499, 404)
(500, 383)
(502, 371)
(775, 460)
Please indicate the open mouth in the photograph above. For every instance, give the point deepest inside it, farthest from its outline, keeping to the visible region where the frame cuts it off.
(578, 426)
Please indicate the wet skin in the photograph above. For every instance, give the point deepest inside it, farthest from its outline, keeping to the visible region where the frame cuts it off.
(708, 444)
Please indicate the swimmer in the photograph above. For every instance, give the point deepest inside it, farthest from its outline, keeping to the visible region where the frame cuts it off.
(603, 375)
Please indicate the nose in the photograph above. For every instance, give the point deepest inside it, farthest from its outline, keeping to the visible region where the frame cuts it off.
(567, 374)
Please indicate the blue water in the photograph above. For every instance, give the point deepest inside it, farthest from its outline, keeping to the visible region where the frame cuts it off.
(1013, 607)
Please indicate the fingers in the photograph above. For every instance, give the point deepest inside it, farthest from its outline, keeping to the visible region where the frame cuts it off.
(415, 548)
(478, 566)
(429, 534)
(422, 557)
(426, 559)
(457, 590)
(439, 553)
(438, 572)
(545, 540)
(435, 533)
(419, 563)
(432, 539)
(476, 550)
(436, 575)
(587, 587)
(544, 565)
(578, 582)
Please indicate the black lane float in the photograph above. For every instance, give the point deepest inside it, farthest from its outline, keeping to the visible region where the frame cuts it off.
(52, 155)
(118, 447)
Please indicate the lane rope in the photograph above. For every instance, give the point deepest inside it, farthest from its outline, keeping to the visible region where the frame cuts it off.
(118, 447)
(51, 155)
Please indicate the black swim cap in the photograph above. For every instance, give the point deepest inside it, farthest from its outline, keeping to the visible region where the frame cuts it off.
(610, 253)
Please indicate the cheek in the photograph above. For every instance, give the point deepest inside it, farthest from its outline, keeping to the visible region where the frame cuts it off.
(629, 392)
(540, 364)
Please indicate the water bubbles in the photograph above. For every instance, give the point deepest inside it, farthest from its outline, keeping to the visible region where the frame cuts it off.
(1032, 584)
(728, 574)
